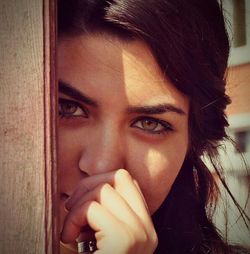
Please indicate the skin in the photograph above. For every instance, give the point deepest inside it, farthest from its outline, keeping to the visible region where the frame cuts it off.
(117, 162)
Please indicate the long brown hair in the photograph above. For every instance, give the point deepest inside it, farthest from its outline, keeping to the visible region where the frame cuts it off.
(189, 41)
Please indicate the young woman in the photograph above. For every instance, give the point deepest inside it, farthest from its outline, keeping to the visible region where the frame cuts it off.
(141, 99)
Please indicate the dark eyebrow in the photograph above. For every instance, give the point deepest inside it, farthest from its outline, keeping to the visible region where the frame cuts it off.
(72, 92)
(156, 109)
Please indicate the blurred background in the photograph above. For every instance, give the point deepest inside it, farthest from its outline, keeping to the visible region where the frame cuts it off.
(236, 161)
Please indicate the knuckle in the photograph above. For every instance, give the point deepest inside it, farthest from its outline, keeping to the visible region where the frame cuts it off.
(143, 237)
(122, 174)
(136, 235)
(154, 239)
(98, 187)
(146, 241)
(138, 241)
(103, 187)
(131, 239)
(122, 240)
(102, 191)
(90, 203)
(89, 206)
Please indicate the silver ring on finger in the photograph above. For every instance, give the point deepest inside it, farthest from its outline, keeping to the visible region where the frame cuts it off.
(86, 246)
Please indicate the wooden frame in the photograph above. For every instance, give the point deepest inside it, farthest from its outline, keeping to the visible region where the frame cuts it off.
(50, 106)
(28, 184)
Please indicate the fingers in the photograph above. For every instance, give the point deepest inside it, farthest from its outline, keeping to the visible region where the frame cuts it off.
(109, 198)
(91, 213)
(110, 234)
(113, 205)
(88, 184)
(73, 223)
(123, 183)
(128, 188)
(121, 180)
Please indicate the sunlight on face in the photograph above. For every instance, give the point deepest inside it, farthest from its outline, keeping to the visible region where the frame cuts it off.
(118, 111)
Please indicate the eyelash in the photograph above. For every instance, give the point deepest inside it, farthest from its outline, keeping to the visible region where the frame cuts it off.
(167, 127)
(64, 102)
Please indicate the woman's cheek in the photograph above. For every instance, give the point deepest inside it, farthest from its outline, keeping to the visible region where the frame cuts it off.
(156, 170)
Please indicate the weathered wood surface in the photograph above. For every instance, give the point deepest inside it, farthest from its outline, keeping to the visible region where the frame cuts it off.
(26, 147)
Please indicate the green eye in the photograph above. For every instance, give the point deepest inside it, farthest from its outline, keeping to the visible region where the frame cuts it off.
(69, 108)
(152, 125)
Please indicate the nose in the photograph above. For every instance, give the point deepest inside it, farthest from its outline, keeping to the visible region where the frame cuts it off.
(103, 151)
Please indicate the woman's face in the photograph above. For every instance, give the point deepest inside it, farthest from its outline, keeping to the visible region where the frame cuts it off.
(118, 111)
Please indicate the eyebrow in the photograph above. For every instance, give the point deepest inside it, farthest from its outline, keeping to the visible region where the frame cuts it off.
(72, 92)
(156, 109)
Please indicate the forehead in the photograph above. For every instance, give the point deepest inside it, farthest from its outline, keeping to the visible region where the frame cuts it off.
(105, 63)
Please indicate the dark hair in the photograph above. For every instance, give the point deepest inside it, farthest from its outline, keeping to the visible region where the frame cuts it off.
(189, 41)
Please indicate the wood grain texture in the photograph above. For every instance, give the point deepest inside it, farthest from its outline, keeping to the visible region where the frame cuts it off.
(26, 152)
(50, 106)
